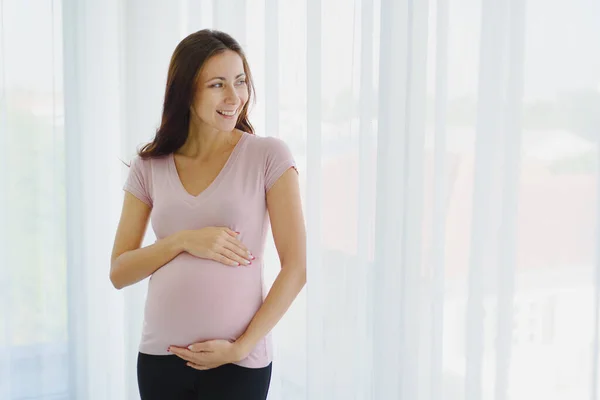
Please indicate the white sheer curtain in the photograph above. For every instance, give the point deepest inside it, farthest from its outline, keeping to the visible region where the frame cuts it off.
(448, 152)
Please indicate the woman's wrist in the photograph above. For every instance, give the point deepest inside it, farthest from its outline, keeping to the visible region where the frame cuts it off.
(178, 241)
(243, 347)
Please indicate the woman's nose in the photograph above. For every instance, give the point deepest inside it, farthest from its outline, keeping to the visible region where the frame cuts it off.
(231, 95)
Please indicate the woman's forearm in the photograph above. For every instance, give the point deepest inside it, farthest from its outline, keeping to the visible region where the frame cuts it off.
(136, 265)
(289, 283)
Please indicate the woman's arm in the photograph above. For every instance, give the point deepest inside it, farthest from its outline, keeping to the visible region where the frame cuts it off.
(130, 263)
(287, 223)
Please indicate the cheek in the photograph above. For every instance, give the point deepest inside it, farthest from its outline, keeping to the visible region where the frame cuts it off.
(205, 104)
(243, 95)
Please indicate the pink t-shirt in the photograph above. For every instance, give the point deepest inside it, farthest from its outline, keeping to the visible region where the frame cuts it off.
(192, 299)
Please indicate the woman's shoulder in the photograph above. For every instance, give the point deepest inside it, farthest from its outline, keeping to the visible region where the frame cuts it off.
(147, 161)
(266, 145)
(146, 165)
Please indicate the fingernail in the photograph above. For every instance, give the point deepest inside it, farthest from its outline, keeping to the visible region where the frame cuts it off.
(237, 264)
(169, 349)
(237, 232)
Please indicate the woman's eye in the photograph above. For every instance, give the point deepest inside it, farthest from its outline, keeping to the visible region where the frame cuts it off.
(220, 84)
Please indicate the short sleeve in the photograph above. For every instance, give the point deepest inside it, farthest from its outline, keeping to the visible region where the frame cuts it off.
(137, 182)
(278, 159)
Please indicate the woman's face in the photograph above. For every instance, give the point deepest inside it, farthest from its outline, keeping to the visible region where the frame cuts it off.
(221, 92)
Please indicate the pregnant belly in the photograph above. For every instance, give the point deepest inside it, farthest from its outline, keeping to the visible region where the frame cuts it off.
(191, 300)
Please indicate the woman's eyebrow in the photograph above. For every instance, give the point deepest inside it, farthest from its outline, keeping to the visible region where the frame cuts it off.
(224, 79)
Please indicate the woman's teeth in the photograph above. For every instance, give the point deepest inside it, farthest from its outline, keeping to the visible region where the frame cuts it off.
(227, 113)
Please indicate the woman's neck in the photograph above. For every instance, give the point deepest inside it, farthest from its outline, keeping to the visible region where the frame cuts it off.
(202, 144)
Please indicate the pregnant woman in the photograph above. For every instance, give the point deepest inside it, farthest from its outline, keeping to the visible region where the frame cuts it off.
(211, 189)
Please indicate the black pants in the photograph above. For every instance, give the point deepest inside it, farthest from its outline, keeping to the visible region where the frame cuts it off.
(168, 378)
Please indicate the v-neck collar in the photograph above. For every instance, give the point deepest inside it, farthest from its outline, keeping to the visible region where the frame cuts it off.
(174, 175)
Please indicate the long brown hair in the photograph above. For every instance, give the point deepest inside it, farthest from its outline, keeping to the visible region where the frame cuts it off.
(187, 61)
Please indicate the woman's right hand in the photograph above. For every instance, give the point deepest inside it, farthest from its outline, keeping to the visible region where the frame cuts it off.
(216, 243)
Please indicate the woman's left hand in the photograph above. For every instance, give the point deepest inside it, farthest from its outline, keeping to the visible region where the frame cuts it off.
(210, 354)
